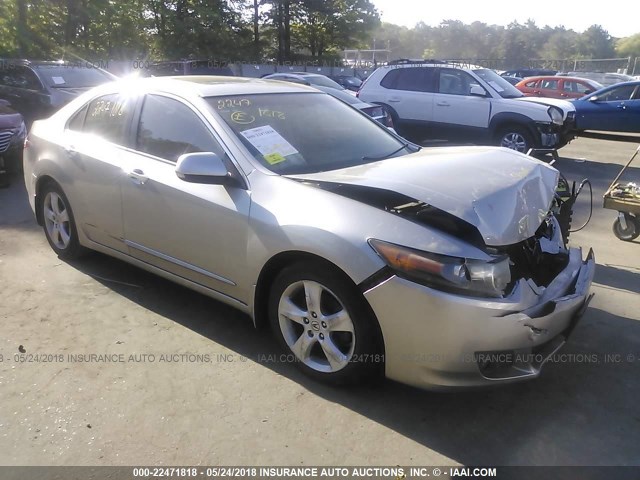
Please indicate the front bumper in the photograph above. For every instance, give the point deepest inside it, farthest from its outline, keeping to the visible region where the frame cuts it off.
(557, 136)
(438, 340)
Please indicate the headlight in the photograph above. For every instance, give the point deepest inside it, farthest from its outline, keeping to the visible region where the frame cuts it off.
(556, 115)
(461, 275)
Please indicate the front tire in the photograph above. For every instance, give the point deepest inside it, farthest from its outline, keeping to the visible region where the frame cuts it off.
(631, 232)
(325, 324)
(58, 223)
(515, 138)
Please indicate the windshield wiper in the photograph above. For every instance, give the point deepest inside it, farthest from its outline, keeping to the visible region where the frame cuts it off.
(384, 157)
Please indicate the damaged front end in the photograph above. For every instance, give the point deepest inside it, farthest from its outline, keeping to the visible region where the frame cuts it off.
(467, 322)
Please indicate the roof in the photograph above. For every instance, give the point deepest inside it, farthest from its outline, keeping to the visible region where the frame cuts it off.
(210, 85)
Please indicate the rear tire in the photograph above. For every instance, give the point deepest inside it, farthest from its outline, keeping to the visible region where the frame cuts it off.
(631, 232)
(324, 323)
(58, 222)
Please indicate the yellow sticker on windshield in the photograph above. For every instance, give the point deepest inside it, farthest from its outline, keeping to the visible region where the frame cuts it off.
(274, 158)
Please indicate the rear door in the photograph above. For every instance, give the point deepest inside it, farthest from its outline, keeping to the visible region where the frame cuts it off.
(409, 91)
(195, 231)
(95, 148)
(549, 88)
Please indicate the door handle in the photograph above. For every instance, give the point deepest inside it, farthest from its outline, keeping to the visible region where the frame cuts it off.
(137, 176)
(443, 104)
(394, 99)
(622, 106)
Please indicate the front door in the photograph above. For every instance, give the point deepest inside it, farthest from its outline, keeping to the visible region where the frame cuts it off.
(196, 231)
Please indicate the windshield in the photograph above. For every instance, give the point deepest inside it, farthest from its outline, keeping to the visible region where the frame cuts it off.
(61, 76)
(498, 84)
(291, 133)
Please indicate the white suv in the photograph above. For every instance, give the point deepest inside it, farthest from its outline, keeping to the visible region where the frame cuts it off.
(447, 101)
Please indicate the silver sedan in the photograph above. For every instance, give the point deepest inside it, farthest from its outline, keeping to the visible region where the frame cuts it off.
(437, 268)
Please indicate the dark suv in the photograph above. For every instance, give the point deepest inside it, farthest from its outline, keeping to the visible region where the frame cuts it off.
(12, 134)
(37, 89)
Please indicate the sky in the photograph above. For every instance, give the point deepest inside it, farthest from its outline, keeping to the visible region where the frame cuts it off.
(577, 16)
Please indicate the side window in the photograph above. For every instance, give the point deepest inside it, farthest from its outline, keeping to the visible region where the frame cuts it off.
(576, 87)
(531, 84)
(29, 80)
(413, 79)
(618, 94)
(549, 84)
(390, 79)
(107, 117)
(455, 82)
(168, 129)
(8, 75)
(76, 122)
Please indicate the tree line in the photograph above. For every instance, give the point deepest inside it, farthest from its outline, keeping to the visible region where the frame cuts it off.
(273, 30)
(514, 45)
(257, 30)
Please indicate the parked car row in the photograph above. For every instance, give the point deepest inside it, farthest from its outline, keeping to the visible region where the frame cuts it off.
(420, 98)
(440, 100)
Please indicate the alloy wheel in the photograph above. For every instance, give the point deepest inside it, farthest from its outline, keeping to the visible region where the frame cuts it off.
(514, 141)
(316, 326)
(57, 222)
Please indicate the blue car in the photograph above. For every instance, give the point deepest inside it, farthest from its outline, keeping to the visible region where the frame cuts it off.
(615, 109)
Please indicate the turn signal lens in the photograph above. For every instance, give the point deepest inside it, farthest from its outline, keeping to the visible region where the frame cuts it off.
(446, 272)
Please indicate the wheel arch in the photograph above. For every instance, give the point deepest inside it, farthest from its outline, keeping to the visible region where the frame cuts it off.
(42, 181)
(504, 119)
(271, 269)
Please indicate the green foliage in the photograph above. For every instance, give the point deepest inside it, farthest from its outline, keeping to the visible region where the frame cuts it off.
(629, 46)
(285, 30)
(506, 47)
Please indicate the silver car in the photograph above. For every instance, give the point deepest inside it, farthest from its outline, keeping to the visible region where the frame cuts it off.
(438, 268)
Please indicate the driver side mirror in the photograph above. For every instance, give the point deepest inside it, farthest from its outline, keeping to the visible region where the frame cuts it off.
(595, 98)
(477, 91)
(207, 168)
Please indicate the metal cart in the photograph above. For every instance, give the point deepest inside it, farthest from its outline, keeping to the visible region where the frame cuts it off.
(625, 198)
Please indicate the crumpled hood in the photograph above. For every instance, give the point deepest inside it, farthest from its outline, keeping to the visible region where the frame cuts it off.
(504, 194)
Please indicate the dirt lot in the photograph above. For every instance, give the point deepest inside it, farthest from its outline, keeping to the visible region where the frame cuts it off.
(211, 394)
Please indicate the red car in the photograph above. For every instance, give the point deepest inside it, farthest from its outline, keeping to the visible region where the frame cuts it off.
(557, 87)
